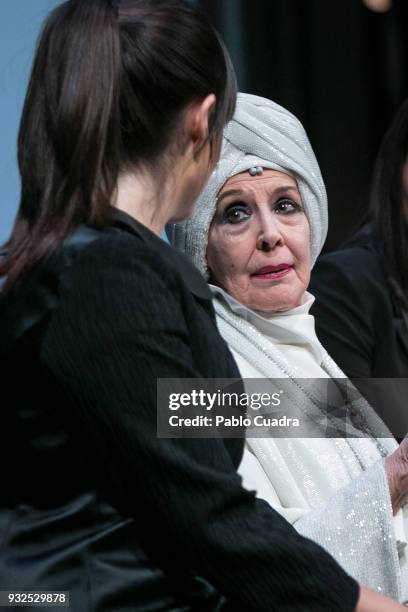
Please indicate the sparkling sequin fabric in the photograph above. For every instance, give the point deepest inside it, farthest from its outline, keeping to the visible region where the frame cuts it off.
(355, 525)
(334, 490)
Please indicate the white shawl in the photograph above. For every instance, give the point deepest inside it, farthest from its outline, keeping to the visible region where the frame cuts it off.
(333, 490)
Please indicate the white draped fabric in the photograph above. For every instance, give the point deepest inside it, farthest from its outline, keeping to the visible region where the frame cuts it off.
(333, 490)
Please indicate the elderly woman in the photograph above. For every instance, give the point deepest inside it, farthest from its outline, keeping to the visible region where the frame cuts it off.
(256, 232)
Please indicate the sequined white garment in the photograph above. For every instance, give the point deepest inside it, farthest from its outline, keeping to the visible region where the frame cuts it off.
(333, 490)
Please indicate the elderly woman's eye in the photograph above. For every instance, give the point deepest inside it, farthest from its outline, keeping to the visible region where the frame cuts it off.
(285, 206)
(235, 213)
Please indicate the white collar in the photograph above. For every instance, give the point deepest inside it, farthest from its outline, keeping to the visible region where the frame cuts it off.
(292, 328)
(245, 312)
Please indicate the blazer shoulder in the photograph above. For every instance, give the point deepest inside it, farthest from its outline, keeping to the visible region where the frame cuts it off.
(122, 250)
(347, 258)
(352, 280)
(359, 266)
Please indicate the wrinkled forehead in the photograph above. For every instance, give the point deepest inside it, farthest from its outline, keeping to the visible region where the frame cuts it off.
(264, 178)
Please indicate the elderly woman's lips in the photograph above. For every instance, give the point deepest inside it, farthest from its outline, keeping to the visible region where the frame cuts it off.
(273, 272)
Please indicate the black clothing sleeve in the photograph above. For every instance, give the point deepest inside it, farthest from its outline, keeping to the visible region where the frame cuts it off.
(122, 321)
(343, 314)
(362, 326)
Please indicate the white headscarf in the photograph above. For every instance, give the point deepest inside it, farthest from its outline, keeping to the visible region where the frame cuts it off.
(265, 134)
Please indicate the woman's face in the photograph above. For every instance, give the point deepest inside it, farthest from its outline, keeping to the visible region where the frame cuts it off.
(258, 245)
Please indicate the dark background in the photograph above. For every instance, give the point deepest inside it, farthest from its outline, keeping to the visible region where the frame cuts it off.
(340, 67)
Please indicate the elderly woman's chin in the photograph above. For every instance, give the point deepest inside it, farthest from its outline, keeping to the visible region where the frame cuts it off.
(281, 297)
(267, 296)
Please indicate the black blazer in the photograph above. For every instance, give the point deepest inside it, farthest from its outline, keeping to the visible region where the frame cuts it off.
(92, 501)
(361, 324)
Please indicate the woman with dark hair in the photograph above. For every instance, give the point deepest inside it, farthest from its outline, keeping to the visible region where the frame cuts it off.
(121, 127)
(361, 306)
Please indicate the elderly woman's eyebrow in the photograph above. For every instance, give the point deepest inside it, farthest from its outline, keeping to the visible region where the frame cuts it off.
(276, 191)
(283, 189)
(229, 192)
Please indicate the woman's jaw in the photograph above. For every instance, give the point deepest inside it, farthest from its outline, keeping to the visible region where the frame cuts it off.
(267, 295)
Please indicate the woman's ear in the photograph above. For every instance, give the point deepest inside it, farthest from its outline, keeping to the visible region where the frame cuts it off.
(197, 121)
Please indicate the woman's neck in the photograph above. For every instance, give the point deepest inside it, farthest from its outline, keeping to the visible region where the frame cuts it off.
(137, 195)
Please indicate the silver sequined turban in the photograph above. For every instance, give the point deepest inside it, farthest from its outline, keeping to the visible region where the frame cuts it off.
(261, 133)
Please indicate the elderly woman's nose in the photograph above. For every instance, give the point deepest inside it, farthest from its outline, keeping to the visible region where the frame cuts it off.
(269, 235)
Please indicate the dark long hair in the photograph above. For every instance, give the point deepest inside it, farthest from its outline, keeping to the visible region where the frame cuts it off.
(387, 220)
(109, 82)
